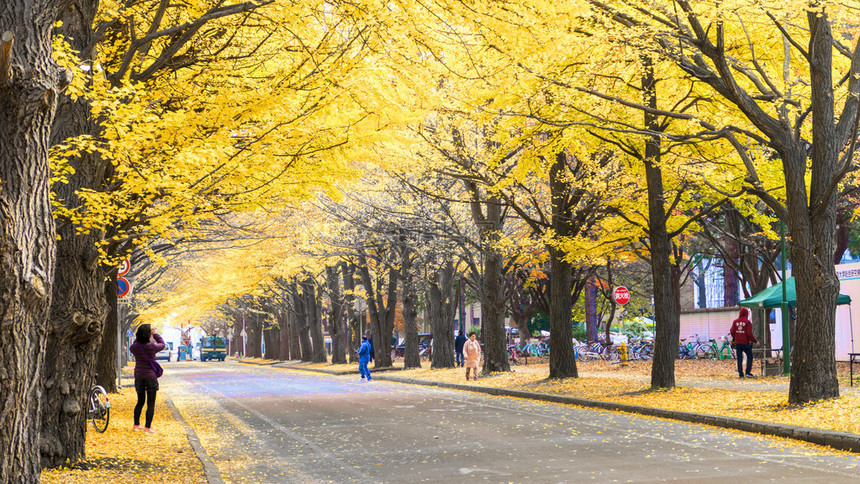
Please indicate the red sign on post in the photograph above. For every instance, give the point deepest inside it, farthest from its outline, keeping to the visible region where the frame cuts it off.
(621, 295)
(124, 267)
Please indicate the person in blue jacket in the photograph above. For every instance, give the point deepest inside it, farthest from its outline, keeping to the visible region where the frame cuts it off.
(364, 358)
(458, 348)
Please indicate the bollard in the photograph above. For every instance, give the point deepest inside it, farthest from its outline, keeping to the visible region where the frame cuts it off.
(622, 353)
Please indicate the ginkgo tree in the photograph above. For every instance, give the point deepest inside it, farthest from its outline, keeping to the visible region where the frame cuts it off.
(781, 89)
(180, 112)
(30, 84)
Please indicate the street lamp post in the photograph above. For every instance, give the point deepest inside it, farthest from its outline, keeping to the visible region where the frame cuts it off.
(786, 346)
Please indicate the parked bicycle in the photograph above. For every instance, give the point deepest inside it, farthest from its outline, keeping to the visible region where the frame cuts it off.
(98, 411)
(720, 348)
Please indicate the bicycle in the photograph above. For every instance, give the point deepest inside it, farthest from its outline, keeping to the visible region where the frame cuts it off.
(722, 351)
(98, 411)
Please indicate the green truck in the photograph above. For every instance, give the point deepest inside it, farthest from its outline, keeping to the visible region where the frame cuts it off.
(213, 348)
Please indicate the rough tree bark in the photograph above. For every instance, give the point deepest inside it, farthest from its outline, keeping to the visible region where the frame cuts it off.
(381, 304)
(255, 337)
(591, 311)
(354, 337)
(79, 307)
(489, 222)
(29, 87)
(301, 321)
(335, 327)
(106, 363)
(442, 308)
(667, 319)
(295, 339)
(562, 360)
(314, 321)
(284, 322)
(411, 359)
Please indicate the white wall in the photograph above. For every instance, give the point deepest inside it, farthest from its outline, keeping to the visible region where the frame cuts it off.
(707, 323)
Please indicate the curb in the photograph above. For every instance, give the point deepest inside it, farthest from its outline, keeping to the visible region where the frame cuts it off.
(829, 438)
(256, 363)
(210, 470)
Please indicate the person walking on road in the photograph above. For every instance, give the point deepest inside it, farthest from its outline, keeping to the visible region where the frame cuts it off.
(472, 351)
(743, 337)
(458, 348)
(364, 358)
(146, 345)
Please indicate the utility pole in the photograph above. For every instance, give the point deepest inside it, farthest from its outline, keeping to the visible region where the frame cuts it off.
(786, 344)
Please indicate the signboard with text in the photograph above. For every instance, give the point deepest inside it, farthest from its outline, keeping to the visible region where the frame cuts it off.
(621, 295)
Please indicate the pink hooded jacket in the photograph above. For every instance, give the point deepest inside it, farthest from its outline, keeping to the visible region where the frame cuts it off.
(472, 351)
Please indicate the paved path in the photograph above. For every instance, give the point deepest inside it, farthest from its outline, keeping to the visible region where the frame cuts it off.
(261, 424)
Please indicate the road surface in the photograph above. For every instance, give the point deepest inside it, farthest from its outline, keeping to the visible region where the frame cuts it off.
(263, 424)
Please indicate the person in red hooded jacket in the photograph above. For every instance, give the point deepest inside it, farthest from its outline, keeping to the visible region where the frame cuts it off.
(743, 337)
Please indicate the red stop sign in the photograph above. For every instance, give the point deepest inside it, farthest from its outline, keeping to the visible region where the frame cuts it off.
(621, 295)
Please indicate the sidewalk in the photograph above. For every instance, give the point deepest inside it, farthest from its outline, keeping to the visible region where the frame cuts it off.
(707, 392)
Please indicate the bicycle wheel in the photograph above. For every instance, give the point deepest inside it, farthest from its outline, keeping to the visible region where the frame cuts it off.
(704, 352)
(99, 408)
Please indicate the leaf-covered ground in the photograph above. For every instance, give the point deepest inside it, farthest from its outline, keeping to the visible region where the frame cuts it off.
(710, 387)
(123, 455)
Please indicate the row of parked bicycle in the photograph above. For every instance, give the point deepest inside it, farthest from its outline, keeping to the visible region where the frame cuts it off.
(638, 349)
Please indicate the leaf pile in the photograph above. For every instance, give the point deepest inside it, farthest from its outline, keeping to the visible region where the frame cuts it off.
(123, 455)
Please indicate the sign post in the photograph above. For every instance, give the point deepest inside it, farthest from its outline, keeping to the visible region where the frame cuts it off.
(123, 288)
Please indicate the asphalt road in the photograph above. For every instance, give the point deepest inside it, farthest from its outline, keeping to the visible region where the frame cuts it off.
(262, 424)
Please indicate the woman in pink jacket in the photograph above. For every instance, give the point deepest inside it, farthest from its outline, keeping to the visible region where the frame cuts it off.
(472, 351)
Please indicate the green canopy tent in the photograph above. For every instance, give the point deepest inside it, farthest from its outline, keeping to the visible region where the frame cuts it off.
(771, 298)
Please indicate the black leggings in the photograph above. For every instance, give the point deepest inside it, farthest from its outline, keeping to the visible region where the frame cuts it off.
(146, 390)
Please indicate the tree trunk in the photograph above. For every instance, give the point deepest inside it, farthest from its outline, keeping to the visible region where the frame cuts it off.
(255, 338)
(314, 322)
(336, 328)
(106, 364)
(284, 322)
(730, 274)
(301, 319)
(562, 360)
(79, 308)
(443, 306)
(235, 335)
(271, 336)
(411, 358)
(812, 222)
(667, 319)
(381, 304)
(354, 326)
(591, 311)
(492, 299)
(295, 337)
(27, 232)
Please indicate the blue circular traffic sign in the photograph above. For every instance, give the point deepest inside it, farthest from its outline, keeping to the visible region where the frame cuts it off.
(122, 287)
